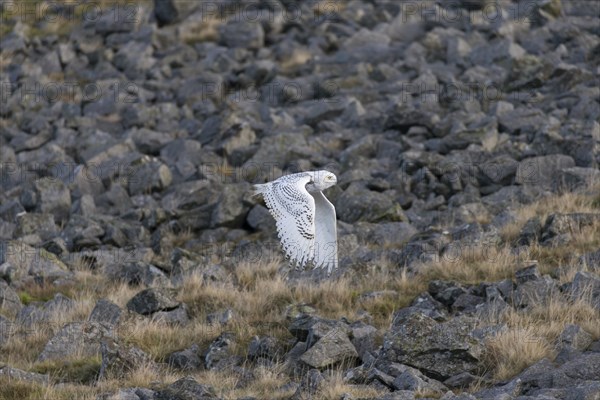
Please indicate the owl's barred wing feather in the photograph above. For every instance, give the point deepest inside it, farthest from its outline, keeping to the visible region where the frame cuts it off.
(294, 210)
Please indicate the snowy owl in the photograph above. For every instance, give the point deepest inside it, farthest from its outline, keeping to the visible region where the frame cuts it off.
(305, 219)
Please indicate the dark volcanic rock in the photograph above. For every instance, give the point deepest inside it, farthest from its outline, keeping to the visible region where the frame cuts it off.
(543, 171)
(53, 198)
(333, 348)
(186, 389)
(439, 350)
(188, 359)
(106, 313)
(152, 300)
(119, 360)
(148, 177)
(20, 375)
(9, 299)
(75, 340)
(360, 204)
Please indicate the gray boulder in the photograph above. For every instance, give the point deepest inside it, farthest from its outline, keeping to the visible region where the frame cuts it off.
(530, 273)
(573, 338)
(334, 348)
(53, 197)
(19, 261)
(577, 378)
(265, 347)
(522, 120)
(10, 302)
(559, 226)
(152, 300)
(439, 350)
(218, 355)
(75, 340)
(11, 373)
(186, 389)
(245, 34)
(543, 171)
(310, 385)
(185, 360)
(586, 285)
(169, 11)
(576, 178)
(118, 360)
(148, 177)
(230, 209)
(500, 52)
(531, 232)
(360, 204)
(128, 394)
(106, 313)
(537, 291)
(407, 378)
(177, 316)
(36, 224)
(7, 329)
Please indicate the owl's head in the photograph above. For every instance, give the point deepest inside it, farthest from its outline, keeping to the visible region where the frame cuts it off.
(324, 179)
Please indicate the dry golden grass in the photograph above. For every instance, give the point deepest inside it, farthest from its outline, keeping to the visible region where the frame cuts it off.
(565, 203)
(266, 383)
(583, 241)
(159, 340)
(261, 297)
(532, 333)
(512, 351)
(25, 343)
(474, 263)
(335, 387)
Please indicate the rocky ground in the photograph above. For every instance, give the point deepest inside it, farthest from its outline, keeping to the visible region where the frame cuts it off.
(135, 264)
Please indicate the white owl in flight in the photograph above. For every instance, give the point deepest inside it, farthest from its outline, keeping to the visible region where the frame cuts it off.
(305, 219)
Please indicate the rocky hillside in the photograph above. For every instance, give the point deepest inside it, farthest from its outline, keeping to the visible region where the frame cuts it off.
(135, 264)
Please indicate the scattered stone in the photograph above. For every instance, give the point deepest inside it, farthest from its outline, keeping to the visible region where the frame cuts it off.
(219, 352)
(20, 375)
(310, 385)
(76, 339)
(333, 348)
(245, 34)
(149, 177)
(413, 380)
(106, 313)
(53, 197)
(128, 394)
(9, 299)
(118, 360)
(530, 233)
(440, 350)
(564, 225)
(586, 285)
(152, 300)
(186, 389)
(186, 360)
(176, 316)
(265, 347)
(542, 171)
(538, 291)
(356, 204)
(527, 274)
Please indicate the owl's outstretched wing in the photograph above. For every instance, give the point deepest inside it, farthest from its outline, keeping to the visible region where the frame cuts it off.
(325, 233)
(294, 211)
